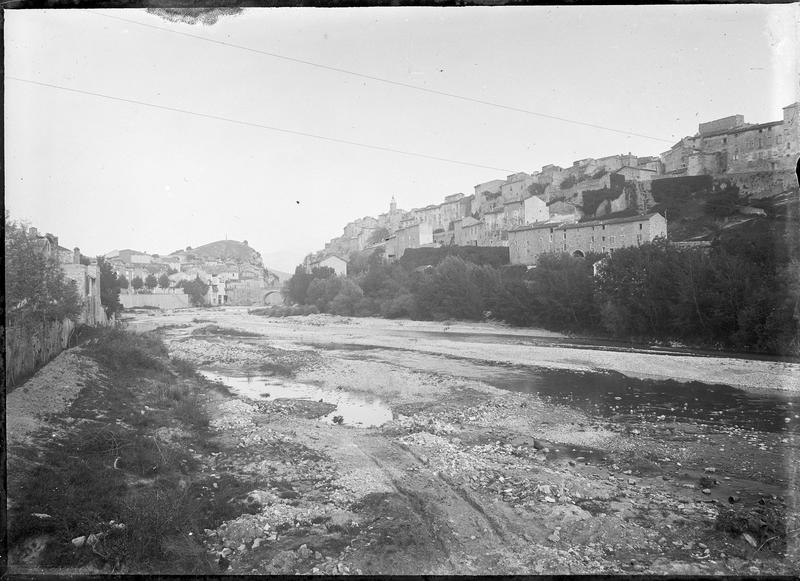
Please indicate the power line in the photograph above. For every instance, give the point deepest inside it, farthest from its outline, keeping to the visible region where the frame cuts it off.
(383, 80)
(258, 125)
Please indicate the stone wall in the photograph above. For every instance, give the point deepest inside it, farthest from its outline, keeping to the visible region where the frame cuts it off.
(762, 184)
(167, 301)
(29, 349)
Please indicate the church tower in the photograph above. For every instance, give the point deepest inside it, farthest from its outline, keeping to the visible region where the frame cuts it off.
(393, 206)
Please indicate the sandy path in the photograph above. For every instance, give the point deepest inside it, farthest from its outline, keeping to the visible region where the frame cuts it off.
(49, 392)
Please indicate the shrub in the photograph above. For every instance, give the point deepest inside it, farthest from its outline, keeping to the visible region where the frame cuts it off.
(124, 351)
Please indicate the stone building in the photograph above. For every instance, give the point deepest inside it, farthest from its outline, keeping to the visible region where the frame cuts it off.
(337, 263)
(527, 243)
(729, 145)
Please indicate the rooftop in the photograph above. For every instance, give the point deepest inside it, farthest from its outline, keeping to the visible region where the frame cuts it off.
(570, 226)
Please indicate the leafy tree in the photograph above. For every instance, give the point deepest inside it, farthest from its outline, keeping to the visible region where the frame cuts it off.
(196, 289)
(151, 281)
(295, 288)
(109, 288)
(137, 283)
(123, 282)
(163, 281)
(347, 299)
(562, 292)
(379, 235)
(322, 291)
(36, 288)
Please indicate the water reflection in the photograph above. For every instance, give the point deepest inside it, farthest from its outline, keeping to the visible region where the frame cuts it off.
(357, 409)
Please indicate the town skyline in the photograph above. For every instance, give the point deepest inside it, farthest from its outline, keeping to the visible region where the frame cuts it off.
(298, 191)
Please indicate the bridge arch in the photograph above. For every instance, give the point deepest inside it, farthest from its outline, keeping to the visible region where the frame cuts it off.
(273, 297)
(579, 254)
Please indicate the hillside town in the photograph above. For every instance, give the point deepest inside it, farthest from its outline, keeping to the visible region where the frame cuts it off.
(233, 272)
(595, 205)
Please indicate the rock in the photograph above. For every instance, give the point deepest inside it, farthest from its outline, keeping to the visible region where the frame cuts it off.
(241, 548)
(631, 481)
(41, 515)
(93, 539)
(223, 563)
(257, 543)
(706, 491)
(79, 541)
(226, 552)
(304, 552)
(318, 555)
(749, 538)
(424, 459)
(709, 470)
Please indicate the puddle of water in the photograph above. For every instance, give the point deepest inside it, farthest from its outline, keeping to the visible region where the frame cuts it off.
(611, 394)
(359, 410)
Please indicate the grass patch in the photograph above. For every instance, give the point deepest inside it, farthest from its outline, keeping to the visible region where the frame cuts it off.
(183, 367)
(284, 311)
(118, 470)
(274, 368)
(224, 331)
(764, 521)
(121, 351)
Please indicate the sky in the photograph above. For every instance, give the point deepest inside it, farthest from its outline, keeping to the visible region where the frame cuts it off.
(105, 174)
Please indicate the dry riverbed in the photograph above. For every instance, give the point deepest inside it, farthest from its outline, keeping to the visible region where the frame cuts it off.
(380, 447)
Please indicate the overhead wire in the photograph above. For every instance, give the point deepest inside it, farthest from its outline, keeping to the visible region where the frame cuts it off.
(384, 80)
(258, 125)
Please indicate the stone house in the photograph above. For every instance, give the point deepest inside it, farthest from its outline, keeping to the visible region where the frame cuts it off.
(337, 263)
(729, 145)
(414, 236)
(516, 186)
(527, 243)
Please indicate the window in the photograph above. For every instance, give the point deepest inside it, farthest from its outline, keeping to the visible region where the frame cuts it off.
(604, 238)
(640, 226)
(611, 240)
(724, 140)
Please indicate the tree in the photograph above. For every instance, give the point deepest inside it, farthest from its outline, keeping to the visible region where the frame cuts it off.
(36, 288)
(137, 283)
(109, 288)
(379, 235)
(123, 282)
(295, 288)
(163, 281)
(345, 301)
(196, 289)
(151, 281)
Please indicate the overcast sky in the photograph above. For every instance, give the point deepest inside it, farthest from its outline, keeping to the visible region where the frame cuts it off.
(104, 174)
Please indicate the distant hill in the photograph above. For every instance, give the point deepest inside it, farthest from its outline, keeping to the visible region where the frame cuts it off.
(282, 276)
(228, 249)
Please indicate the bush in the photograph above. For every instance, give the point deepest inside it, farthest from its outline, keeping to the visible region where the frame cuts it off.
(124, 351)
